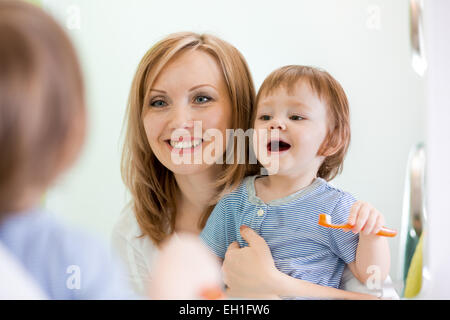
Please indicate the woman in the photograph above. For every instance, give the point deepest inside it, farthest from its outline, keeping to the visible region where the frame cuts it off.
(185, 86)
(183, 78)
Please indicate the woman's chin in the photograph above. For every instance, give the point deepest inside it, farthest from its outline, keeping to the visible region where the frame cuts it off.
(188, 169)
(189, 163)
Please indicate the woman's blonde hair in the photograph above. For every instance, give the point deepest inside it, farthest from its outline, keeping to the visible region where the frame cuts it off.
(153, 186)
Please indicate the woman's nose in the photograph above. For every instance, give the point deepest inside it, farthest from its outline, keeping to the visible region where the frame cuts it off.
(181, 118)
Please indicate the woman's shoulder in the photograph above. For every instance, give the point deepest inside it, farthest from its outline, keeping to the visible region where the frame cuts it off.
(126, 225)
(127, 231)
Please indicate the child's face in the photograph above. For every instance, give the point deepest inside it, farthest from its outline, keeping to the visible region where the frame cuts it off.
(188, 99)
(300, 119)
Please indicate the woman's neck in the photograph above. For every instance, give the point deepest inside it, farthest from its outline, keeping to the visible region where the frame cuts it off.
(196, 191)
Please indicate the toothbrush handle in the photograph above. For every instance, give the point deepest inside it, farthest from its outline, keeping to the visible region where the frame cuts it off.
(386, 232)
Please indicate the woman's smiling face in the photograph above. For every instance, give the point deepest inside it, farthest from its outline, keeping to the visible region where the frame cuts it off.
(188, 99)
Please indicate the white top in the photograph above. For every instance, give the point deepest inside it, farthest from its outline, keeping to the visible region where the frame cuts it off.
(140, 254)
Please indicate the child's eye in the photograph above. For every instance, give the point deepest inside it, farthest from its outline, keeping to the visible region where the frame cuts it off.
(264, 117)
(202, 99)
(158, 103)
(295, 117)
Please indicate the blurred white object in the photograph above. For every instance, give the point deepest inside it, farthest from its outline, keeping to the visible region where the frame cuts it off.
(185, 269)
(350, 283)
(419, 61)
(435, 273)
(15, 283)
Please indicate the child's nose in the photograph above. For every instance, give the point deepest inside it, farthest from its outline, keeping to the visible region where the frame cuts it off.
(277, 124)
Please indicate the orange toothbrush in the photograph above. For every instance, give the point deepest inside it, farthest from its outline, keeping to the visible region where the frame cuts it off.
(325, 221)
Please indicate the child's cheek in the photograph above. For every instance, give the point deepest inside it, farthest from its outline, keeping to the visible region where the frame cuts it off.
(259, 138)
(312, 142)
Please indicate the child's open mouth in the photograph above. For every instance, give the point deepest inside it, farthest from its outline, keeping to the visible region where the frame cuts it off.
(278, 146)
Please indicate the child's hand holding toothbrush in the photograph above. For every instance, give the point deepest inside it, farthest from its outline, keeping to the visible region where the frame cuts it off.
(373, 250)
(365, 219)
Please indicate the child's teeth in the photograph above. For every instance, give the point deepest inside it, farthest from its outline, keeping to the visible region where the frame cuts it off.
(185, 144)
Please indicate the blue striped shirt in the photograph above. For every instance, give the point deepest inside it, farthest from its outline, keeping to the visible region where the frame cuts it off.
(299, 246)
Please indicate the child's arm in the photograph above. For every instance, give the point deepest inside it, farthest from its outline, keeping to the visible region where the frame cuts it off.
(289, 286)
(372, 251)
(250, 272)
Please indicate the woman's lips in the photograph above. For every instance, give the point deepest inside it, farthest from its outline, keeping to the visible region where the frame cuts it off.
(184, 145)
(278, 146)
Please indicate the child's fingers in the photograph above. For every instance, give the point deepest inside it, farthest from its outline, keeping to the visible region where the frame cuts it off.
(362, 215)
(371, 222)
(354, 213)
(379, 224)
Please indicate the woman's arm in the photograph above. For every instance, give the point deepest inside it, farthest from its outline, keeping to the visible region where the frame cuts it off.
(251, 272)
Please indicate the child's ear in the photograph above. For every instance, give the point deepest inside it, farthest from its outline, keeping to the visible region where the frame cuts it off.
(330, 145)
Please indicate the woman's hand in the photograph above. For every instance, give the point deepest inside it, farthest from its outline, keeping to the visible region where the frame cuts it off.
(250, 271)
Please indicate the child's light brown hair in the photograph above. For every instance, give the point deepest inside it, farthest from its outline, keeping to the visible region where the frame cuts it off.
(337, 141)
(42, 107)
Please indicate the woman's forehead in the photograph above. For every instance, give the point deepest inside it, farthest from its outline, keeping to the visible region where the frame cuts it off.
(190, 68)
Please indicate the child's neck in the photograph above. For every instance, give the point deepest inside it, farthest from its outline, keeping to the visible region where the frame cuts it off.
(278, 186)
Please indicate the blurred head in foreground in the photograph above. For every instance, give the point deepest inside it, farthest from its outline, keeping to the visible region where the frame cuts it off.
(42, 104)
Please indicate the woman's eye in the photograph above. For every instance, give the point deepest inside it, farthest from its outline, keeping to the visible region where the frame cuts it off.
(264, 117)
(202, 99)
(158, 103)
(296, 117)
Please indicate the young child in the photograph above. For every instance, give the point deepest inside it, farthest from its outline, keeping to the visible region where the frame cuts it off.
(42, 128)
(307, 111)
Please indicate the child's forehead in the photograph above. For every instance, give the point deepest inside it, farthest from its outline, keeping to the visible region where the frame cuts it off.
(300, 94)
(291, 88)
(278, 101)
